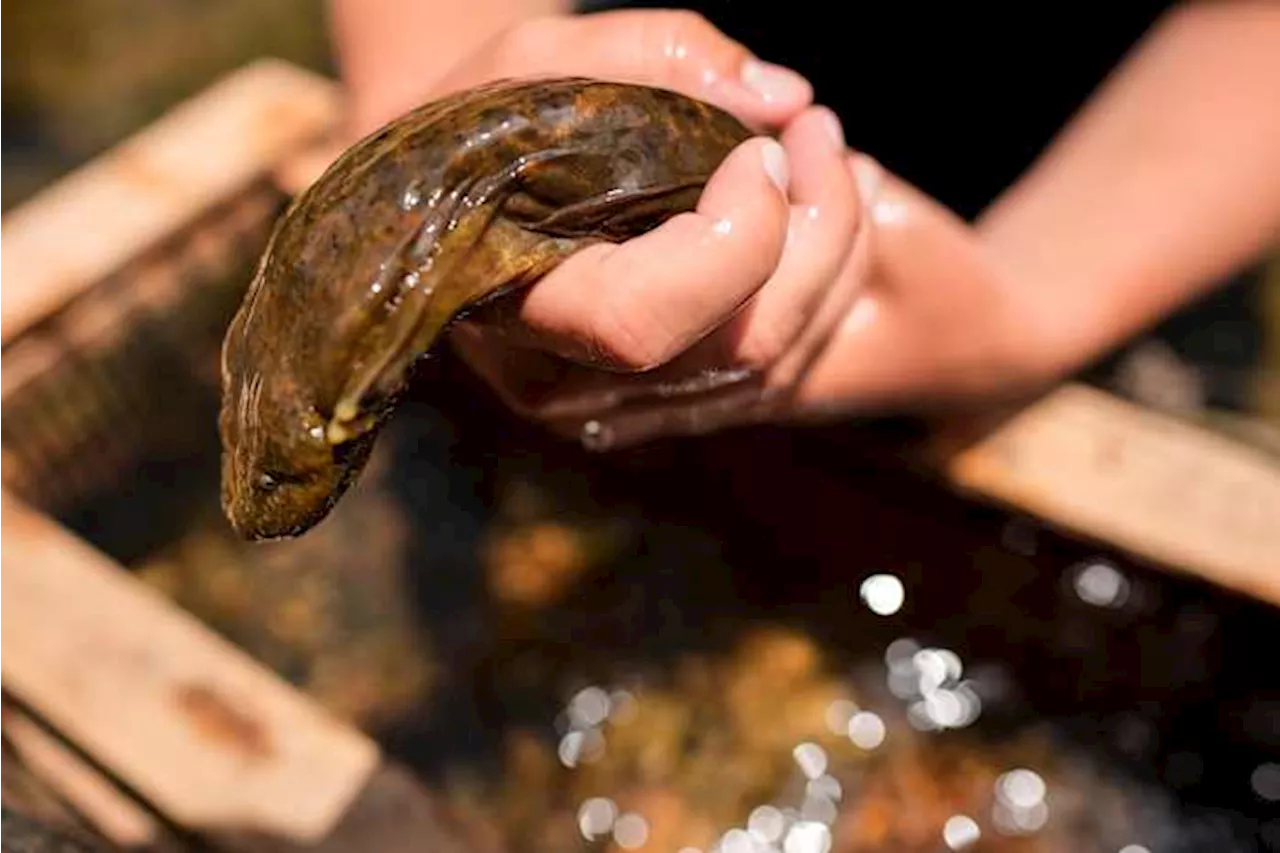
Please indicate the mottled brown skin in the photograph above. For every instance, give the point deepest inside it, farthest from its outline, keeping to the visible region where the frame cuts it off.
(458, 202)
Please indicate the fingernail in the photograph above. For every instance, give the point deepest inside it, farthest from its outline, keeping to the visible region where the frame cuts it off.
(834, 128)
(775, 164)
(773, 82)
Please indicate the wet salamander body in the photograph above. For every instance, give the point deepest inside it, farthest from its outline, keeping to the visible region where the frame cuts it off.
(459, 201)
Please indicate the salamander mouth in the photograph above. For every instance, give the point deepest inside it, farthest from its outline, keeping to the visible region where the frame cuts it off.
(292, 505)
(281, 516)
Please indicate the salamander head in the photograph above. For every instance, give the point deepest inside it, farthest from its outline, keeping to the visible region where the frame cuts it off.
(282, 470)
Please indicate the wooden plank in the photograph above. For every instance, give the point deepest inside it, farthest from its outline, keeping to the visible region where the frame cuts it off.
(203, 152)
(204, 733)
(99, 802)
(1112, 471)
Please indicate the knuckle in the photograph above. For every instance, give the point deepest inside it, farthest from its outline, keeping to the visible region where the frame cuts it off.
(615, 327)
(626, 342)
(690, 24)
(529, 40)
(628, 335)
(680, 34)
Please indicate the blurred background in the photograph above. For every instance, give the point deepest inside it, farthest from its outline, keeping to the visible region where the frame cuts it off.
(81, 75)
(585, 660)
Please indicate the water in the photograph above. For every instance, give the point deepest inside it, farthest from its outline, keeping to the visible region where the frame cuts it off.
(762, 642)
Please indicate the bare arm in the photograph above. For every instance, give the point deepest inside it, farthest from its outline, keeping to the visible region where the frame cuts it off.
(391, 51)
(1165, 183)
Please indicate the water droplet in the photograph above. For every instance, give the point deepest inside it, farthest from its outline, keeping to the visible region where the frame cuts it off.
(579, 746)
(883, 594)
(590, 707)
(1134, 848)
(818, 808)
(596, 436)
(944, 708)
(1021, 788)
(807, 837)
(767, 824)
(825, 786)
(811, 758)
(631, 831)
(596, 817)
(919, 719)
(410, 198)
(960, 831)
(1265, 780)
(969, 701)
(1100, 584)
(951, 663)
(866, 730)
(932, 668)
(1025, 821)
(737, 841)
(570, 749)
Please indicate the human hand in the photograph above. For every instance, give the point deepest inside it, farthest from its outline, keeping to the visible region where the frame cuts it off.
(753, 273)
(776, 300)
(921, 317)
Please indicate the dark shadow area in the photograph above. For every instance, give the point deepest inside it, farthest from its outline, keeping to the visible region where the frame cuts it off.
(1170, 691)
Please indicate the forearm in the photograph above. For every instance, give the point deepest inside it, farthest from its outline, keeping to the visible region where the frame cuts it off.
(391, 51)
(1165, 183)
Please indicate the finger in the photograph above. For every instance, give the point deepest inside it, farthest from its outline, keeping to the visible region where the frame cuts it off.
(899, 344)
(872, 361)
(822, 223)
(545, 387)
(635, 305)
(577, 396)
(849, 284)
(524, 379)
(807, 287)
(674, 49)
